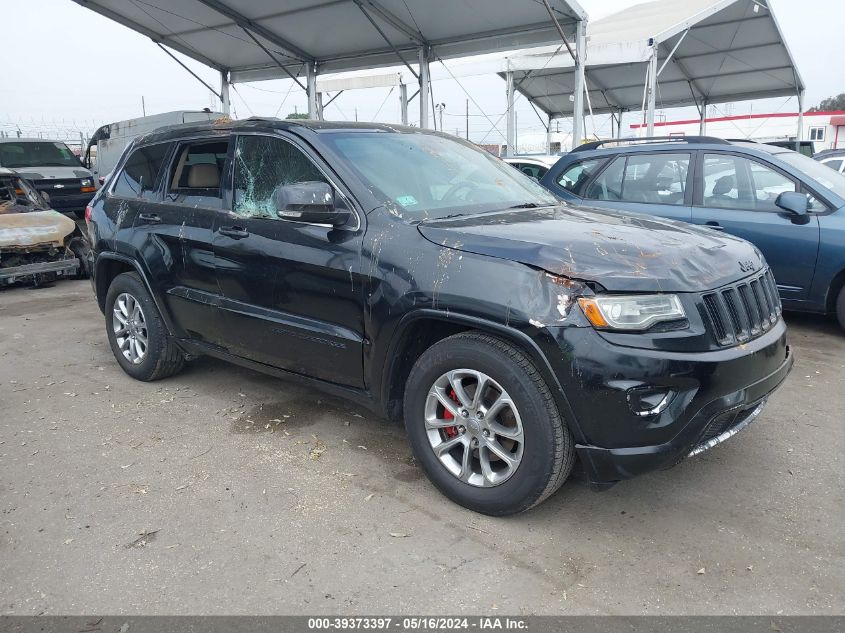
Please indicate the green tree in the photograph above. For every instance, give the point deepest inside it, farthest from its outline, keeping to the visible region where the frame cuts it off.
(831, 103)
(302, 115)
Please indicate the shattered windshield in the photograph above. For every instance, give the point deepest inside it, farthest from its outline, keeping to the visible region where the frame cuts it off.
(425, 175)
(37, 154)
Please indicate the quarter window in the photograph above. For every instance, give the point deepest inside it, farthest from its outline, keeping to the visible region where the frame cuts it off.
(138, 177)
(735, 182)
(575, 177)
(262, 165)
(196, 174)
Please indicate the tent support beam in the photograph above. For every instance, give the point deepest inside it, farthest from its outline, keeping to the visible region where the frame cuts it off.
(510, 137)
(360, 5)
(799, 136)
(224, 92)
(247, 24)
(403, 102)
(580, 82)
(702, 127)
(393, 21)
(273, 57)
(313, 104)
(425, 57)
(193, 74)
(651, 91)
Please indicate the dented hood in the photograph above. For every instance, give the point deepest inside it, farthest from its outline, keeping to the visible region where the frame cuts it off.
(623, 253)
(38, 228)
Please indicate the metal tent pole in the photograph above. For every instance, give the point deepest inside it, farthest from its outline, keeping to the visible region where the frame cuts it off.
(311, 89)
(702, 128)
(800, 134)
(224, 92)
(424, 88)
(578, 93)
(652, 90)
(511, 115)
(549, 136)
(403, 102)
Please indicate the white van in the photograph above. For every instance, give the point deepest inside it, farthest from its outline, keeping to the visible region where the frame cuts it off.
(53, 168)
(108, 142)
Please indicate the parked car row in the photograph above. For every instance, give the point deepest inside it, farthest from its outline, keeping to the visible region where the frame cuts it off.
(423, 278)
(789, 206)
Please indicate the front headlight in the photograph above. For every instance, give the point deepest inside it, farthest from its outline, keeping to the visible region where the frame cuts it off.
(631, 312)
(86, 182)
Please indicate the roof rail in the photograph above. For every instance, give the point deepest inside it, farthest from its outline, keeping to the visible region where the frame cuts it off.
(652, 139)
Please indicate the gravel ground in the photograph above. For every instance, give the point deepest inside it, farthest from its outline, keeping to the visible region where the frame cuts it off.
(224, 491)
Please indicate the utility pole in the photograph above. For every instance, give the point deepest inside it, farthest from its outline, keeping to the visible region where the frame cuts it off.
(440, 107)
(467, 117)
(356, 114)
(143, 106)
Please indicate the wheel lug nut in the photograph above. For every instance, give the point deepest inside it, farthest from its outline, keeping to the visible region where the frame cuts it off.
(464, 413)
(475, 441)
(480, 415)
(485, 433)
(462, 430)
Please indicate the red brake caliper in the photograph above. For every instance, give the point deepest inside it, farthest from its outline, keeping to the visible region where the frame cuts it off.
(451, 431)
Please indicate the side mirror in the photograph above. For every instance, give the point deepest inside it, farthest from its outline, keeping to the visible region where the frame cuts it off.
(311, 202)
(795, 204)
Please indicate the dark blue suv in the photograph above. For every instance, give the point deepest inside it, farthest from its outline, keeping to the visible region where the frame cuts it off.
(788, 205)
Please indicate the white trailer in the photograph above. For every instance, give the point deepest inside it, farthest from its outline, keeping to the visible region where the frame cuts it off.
(109, 141)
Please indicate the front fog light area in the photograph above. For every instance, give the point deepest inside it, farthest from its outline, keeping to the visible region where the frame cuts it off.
(631, 312)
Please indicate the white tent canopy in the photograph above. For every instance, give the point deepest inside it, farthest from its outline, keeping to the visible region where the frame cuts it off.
(666, 53)
(252, 40)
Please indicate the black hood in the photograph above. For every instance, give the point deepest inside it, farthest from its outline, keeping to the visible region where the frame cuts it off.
(621, 252)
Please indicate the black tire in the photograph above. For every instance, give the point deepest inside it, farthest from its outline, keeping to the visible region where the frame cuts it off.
(79, 248)
(840, 307)
(548, 450)
(162, 357)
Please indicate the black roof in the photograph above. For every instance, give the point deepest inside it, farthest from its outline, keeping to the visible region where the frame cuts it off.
(227, 126)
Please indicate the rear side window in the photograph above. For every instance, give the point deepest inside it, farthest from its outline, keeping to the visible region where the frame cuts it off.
(138, 177)
(576, 176)
(197, 172)
(535, 171)
(263, 164)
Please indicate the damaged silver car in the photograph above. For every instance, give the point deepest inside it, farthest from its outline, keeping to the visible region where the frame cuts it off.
(38, 245)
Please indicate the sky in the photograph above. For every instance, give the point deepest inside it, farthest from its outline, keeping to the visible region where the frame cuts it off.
(76, 70)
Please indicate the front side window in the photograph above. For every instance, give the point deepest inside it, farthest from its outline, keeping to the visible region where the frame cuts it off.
(196, 174)
(37, 154)
(138, 177)
(262, 165)
(429, 176)
(649, 178)
(736, 182)
(575, 177)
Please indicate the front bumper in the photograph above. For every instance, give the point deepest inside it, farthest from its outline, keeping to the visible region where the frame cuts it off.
(61, 268)
(70, 202)
(712, 396)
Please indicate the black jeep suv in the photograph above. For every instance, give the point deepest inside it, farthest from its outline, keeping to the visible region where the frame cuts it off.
(418, 275)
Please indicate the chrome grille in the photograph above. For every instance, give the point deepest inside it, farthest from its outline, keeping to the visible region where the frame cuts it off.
(744, 310)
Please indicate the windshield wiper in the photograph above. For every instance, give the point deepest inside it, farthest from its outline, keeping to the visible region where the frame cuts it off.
(529, 205)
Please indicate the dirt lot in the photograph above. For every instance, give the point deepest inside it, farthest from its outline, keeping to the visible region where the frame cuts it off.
(226, 491)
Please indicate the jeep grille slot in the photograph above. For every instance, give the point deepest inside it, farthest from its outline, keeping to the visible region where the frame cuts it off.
(744, 310)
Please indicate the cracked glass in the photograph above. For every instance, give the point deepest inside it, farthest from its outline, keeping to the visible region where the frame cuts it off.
(262, 165)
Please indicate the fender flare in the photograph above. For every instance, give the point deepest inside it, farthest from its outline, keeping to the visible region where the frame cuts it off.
(509, 334)
(100, 260)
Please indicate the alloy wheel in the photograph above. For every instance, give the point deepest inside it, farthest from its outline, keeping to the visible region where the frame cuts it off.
(130, 328)
(474, 428)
